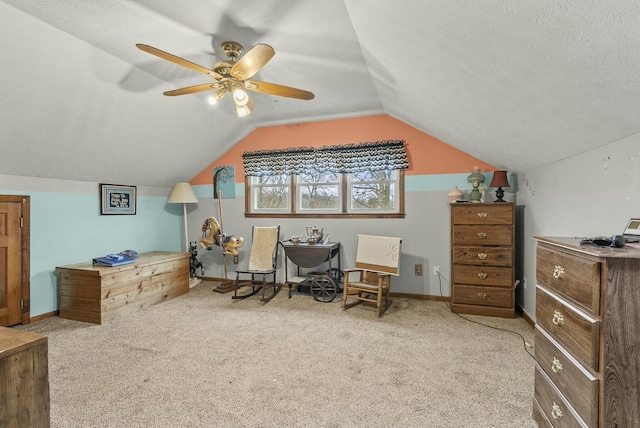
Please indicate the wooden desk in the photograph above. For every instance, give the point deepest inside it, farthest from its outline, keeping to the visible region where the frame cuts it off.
(97, 294)
(24, 370)
(323, 284)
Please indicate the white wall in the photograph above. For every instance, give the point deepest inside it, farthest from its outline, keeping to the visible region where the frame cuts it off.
(592, 194)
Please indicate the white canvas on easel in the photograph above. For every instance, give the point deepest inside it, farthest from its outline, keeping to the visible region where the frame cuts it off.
(379, 254)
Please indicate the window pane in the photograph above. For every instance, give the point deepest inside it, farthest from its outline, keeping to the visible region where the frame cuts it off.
(319, 177)
(373, 176)
(380, 195)
(318, 197)
(273, 197)
(272, 179)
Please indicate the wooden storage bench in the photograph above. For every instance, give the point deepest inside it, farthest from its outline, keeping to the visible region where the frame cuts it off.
(97, 294)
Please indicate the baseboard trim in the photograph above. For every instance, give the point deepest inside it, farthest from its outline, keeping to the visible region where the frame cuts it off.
(525, 316)
(45, 316)
(399, 295)
(420, 296)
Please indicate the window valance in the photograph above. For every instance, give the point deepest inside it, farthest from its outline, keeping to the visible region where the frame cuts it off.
(347, 158)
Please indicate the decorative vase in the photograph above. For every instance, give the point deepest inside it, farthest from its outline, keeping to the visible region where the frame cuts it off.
(455, 194)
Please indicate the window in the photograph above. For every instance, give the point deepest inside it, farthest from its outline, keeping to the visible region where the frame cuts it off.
(366, 194)
(318, 191)
(271, 194)
(358, 180)
(373, 191)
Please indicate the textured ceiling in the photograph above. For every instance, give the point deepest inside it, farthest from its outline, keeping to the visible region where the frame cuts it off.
(517, 84)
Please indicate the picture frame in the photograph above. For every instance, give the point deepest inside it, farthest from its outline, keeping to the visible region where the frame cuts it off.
(116, 199)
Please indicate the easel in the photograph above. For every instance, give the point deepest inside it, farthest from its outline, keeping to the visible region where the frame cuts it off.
(226, 286)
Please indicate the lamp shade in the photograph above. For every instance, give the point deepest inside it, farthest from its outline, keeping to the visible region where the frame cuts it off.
(499, 179)
(182, 193)
(475, 176)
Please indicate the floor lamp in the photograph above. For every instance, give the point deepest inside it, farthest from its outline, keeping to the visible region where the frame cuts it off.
(182, 193)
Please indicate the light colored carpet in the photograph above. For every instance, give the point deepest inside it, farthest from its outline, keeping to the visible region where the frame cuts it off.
(203, 360)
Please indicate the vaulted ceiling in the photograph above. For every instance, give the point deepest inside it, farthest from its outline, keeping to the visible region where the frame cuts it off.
(517, 84)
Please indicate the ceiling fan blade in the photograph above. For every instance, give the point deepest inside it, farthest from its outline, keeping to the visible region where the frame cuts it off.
(193, 89)
(280, 90)
(175, 59)
(251, 62)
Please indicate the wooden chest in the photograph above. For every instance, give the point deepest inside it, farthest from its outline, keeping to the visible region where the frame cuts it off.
(97, 294)
(482, 259)
(587, 335)
(24, 379)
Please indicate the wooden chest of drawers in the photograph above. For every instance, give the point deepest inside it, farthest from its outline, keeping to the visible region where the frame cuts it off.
(587, 335)
(97, 294)
(482, 259)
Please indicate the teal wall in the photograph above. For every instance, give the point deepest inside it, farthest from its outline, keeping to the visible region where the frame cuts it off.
(66, 228)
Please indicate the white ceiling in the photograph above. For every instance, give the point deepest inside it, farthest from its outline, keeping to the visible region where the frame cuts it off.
(516, 84)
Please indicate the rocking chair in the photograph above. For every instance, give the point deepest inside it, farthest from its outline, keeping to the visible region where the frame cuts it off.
(261, 271)
(377, 258)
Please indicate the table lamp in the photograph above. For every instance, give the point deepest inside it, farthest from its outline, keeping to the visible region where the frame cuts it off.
(182, 193)
(475, 178)
(499, 180)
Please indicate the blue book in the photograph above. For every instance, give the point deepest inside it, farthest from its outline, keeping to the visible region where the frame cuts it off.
(112, 262)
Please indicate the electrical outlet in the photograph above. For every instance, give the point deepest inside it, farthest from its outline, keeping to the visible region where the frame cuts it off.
(436, 270)
(235, 260)
(418, 270)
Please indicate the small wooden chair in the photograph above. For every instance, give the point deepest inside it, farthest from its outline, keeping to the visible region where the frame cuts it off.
(377, 258)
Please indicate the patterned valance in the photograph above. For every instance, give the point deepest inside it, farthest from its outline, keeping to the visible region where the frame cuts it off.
(347, 158)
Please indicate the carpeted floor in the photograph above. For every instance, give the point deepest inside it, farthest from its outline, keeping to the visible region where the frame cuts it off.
(203, 360)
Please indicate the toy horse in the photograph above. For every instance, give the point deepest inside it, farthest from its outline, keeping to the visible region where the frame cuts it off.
(194, 263)
(211, 235)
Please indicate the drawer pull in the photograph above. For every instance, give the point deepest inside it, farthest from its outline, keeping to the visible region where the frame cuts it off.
(482, 235)
(482, 275)
(556, 366)
(482, 215)
(482, 295)
(558, 318)
(558, 272)
(556, 411)
(482, 256)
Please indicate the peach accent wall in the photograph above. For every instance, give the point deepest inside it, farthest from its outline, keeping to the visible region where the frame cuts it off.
(427, 155)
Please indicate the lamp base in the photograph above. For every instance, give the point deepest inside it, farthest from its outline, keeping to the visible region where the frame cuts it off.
(499, 195)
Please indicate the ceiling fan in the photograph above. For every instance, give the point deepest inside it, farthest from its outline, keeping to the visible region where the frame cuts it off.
(233, 76)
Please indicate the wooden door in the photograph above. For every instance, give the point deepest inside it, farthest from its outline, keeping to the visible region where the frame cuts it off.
(14, 260)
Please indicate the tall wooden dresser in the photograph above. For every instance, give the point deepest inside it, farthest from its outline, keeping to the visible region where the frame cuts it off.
(482, 259)
(587, 337)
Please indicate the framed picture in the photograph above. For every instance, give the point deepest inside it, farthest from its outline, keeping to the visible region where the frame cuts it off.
(224, 182)
(117, 199)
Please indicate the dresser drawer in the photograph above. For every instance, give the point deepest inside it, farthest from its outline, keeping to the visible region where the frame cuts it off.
(576, 332)
(553, 404)
(485, 296)
(575, 278)
(576, 384)
(482, 214)
(482, 235)
(483, 275)
(492, 256)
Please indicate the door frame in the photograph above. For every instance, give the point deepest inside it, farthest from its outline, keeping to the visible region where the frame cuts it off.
(25, 231)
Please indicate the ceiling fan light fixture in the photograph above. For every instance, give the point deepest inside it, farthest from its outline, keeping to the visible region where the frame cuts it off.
(244, 110)
(240, 97)
(213, 99)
